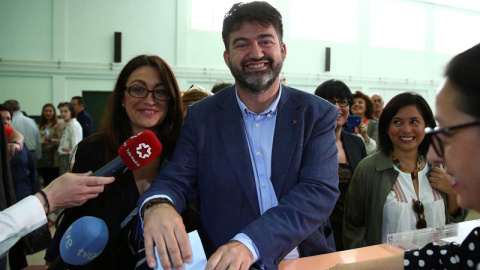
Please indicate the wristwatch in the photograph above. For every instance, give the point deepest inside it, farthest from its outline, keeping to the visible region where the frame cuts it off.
(155, 201)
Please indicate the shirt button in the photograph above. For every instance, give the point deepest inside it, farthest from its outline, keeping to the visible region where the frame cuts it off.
(269, 115)
(257, 124)
(264, 185)
(257, 153)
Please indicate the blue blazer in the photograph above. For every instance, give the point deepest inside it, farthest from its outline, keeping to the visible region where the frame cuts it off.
(212, 160)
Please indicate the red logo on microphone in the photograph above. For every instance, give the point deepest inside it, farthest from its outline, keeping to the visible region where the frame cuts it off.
(144, 150)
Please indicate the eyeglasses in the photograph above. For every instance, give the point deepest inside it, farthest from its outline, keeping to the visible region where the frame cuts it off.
(437, 142)
(419, 210)
(341, 102)
(141, 92)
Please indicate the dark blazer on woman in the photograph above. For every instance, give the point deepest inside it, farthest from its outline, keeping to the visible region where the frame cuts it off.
(354, 148)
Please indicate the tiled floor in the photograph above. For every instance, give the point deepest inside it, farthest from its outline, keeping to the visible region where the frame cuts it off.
(37, 258)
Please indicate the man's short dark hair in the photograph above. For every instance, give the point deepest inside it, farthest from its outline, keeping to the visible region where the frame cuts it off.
(79, 99)
(12, 105)
(257, 11)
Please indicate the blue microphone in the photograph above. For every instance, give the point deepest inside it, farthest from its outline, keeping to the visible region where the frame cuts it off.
(82, 242)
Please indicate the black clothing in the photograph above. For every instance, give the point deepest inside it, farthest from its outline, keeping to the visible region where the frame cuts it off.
(355, 151)
(86, 121)
(113, 206)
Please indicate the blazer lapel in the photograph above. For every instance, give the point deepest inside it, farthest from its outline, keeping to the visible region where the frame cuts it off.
(287, 127)
(232, 133)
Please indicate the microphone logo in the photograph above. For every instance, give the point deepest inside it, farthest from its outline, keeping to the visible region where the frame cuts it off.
(144, 150)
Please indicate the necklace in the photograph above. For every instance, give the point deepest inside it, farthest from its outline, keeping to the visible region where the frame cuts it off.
(400, 166)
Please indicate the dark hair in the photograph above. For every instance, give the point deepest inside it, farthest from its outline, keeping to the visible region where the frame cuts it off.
(334, 89)
(12, 105)
(463, 72)
(5, 108)
(69, 106)
(43, 120)
(257, 11)
(393, 106)
(368, 103)
(115, 126)
(219, 86)
(79, 99)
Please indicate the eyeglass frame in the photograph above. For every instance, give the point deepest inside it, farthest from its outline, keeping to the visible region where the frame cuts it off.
(437, 142)
(127, 89)
(420, 214)
(335, 101)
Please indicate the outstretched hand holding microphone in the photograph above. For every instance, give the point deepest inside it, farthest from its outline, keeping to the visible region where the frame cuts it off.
(70, 190)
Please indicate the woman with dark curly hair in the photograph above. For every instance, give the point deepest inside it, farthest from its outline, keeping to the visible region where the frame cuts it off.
(146, 97)
(367, 130)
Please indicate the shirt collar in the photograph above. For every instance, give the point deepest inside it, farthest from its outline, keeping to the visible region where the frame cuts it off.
(272, 109)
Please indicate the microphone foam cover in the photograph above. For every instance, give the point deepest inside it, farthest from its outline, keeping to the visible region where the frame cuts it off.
(139, 150)
(84, 240)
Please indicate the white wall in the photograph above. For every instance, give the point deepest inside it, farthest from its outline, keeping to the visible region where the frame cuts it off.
(51, 50)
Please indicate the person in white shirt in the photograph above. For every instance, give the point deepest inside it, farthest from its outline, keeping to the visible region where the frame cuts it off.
(27, 127)
(70, 137)
(66, 191)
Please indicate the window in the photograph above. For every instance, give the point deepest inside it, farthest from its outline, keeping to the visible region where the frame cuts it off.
(208, 14)
(396, 24)
(325, 20)
(457, 33)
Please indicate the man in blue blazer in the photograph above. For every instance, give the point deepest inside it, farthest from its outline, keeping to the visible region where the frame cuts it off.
(259, 156)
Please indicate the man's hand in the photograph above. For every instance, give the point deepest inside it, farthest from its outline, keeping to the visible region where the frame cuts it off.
(71, 190)
(233, 255)
(164, 229)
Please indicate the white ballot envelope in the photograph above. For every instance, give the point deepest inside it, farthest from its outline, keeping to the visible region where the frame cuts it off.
(199, 259)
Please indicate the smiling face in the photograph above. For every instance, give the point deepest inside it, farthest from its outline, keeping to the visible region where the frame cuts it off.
(255, 57)
(7, 118)
(145, 113)
(48, 112)
(359, 107)
(461, 151)
(406, 130)
(343, 113)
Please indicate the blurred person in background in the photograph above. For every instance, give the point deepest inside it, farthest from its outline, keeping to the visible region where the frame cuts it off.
(82, 116)
(377, 106)
(71, 136)
(368, 129)
(51, 129)
(27, 127)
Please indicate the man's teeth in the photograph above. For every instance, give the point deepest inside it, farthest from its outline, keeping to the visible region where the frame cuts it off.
(257, 66)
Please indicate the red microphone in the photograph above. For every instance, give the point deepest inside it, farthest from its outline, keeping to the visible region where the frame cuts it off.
(135, 153)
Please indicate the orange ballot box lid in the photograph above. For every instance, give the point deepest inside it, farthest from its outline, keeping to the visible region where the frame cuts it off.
(324, 261)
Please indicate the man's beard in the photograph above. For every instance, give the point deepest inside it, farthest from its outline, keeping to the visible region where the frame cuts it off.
(257, 82)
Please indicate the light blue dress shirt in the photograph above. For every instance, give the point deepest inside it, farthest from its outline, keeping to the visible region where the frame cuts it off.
(259, 131)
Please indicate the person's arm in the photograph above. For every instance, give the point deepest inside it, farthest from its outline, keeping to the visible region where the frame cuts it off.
(394, 262)
(15, 142)
(20, 219)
